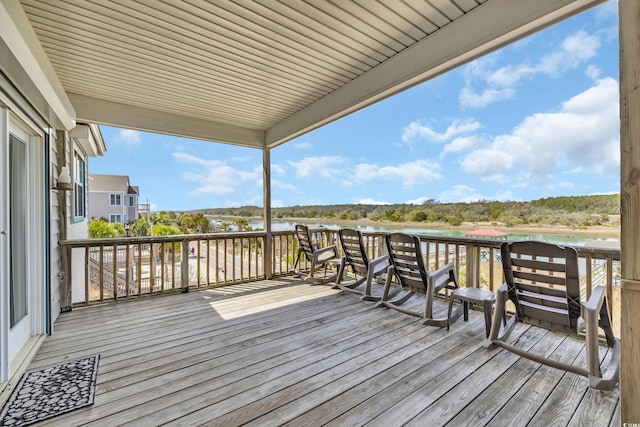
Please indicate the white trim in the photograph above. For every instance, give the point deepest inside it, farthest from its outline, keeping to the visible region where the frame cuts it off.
(35, 242)
(4, 246)
(17, 33)
(37, 230)
(111, 113)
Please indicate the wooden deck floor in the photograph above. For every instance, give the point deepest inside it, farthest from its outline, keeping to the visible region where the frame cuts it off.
(289, 353)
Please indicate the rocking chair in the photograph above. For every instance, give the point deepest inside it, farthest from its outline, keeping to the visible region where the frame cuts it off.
(407, 265)
(355, 257)
(542, 281)
(318, 257)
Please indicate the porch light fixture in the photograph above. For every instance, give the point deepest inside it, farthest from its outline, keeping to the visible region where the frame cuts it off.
(64, 180)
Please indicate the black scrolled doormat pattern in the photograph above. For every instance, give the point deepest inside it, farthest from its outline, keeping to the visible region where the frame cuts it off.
(51, 391)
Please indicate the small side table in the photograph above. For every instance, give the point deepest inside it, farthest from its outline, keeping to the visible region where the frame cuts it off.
(483, 297)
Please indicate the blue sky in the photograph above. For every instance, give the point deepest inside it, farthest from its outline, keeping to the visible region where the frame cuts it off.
(536, 119)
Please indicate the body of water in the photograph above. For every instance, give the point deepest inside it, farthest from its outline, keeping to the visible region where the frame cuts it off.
(561, 239)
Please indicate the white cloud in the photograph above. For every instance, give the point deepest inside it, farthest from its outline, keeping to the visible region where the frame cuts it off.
(282, 185)
(466, 194)
(418, 131)
(319, 167)
(365, 172)
(418, 201)
(584, 135)
(213, 177)
(575, 50)
(278, 169)
(412, 173)
(371, 202)
(129, 136)
(593, 72)
(462, 144)
(468, 98)
(304, 145)
(567, 185)
(459, 193)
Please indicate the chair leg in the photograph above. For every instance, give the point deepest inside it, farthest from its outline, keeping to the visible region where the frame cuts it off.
(499, 317)
(387, 285)
(449, 311)
(340, 273)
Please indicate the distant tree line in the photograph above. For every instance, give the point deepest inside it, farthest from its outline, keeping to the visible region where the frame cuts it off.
(165, 223)
(575, 211)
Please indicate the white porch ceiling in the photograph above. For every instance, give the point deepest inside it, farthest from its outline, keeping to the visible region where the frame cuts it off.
(259, 73)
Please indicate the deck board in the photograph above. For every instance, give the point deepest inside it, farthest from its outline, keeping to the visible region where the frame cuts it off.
(285, 352)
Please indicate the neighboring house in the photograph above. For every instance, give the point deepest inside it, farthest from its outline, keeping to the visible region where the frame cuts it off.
(113, 197)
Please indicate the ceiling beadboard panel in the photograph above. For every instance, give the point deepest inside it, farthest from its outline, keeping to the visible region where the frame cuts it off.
(241, 64)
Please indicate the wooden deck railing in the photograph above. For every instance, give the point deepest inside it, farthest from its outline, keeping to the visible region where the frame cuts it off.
(133, 267)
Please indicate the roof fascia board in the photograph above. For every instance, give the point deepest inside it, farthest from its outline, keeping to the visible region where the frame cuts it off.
(101, 111)
(490, 26)
(21, 39)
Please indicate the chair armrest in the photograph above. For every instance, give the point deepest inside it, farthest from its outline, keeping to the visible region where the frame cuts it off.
(322, 254)
(444, 270)
(377, 266)
(595, 301)
(379, 260)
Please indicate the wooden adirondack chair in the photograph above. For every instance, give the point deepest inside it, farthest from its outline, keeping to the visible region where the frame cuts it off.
(407, 266)
(543, 283)
(318, 257)
(365, 270)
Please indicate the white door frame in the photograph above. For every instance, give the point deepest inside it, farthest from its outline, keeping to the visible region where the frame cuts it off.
(35, 242)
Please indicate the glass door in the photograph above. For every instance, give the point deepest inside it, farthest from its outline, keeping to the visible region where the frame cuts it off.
(19, 322)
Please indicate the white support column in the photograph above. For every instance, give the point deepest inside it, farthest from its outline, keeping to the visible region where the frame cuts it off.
(629, 15)
(266, 186)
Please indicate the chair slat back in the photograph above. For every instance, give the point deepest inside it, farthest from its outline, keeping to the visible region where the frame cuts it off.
(354, 250)
(304, 240)
(543, 283)
(405, 255)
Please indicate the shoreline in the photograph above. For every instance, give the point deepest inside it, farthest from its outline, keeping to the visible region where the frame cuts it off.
(593, 231)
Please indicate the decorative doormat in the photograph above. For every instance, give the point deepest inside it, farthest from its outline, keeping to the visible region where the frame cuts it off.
(51, 391)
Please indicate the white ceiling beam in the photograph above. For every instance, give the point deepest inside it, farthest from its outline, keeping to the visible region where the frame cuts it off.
(18, 35)
(101, 111)
(492, 25)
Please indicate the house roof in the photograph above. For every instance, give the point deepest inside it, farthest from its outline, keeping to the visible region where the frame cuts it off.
(119, 183)
(486, 232)
(255, 73)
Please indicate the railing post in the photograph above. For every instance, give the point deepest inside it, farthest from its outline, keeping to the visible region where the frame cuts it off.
(184, 266)
(473, 273)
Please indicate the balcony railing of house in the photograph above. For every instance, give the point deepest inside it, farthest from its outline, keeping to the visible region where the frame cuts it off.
(102, 270)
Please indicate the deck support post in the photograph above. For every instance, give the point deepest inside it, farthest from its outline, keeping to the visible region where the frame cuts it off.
(64, 254)
(267, 256)
(629, 16)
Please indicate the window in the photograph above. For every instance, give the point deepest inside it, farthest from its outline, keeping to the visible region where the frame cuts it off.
(115, 218)
(79, 199)
(115, 200)
(131, 204)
